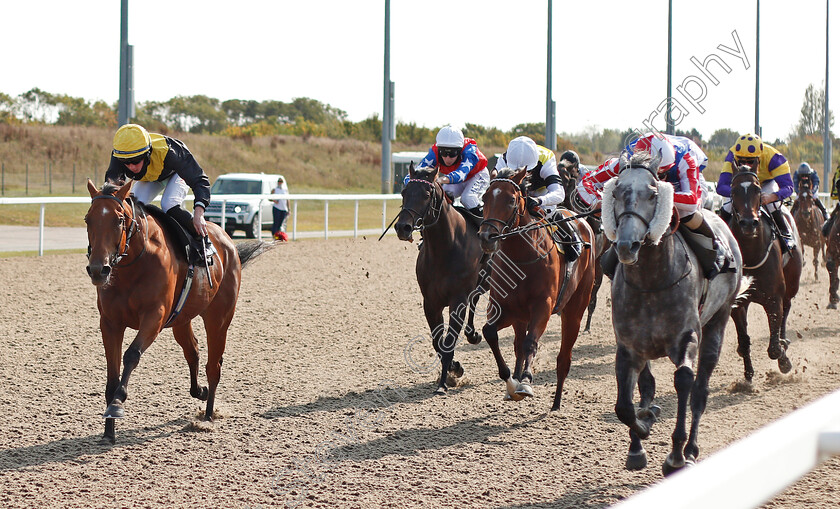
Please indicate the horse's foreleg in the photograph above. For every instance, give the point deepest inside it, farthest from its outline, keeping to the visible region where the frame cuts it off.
(491, 335)
(131, 358)
(434, 317)
(217, 318)
(683, 382)
(185, 337)
(775, 314)
(833, 282)
(593, 299)
(112, 339)
(627, 368)
(739, 316)
(451, 369)
(707, 359)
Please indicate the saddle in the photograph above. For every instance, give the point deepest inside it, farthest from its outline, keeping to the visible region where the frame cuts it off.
(191, 249)
(469, 216)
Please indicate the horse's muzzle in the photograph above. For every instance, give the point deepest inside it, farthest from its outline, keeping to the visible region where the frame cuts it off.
(628, 251)
(748, 225)
(99, 274)
(488, 245)
(404, 230)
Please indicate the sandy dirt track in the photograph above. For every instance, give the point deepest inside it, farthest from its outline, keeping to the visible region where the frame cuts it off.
(318, 407)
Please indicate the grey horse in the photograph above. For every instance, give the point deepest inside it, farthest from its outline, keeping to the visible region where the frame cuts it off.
(662, 306)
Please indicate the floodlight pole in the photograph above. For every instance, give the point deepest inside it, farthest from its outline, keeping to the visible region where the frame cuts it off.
(550, 105)
(757, 45)
(826, 115)
(669, 119)
(386, 104)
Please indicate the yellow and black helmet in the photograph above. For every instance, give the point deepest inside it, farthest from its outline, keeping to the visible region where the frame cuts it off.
(131, 141)
(749, 146)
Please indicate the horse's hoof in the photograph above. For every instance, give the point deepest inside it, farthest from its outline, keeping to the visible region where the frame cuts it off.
(524, 390)
(114, 411)
(832, 305)
(774, 351)
(636, 460)
(669, 467)
(784, 364)
(511, 385)
(456, 369)
(651, 413)
(474, 338)
(108, 440)
(440, 391)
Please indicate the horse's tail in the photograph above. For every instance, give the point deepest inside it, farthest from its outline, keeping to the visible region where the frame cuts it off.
(252, 249)
(743, 288)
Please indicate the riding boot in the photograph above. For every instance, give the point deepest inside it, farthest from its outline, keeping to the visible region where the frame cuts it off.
(787, 239)
(572, 245)
(826, 228)
(199, 252)
(726, 216)
(476, 216)
(821, 207)
(708, 249)
(609, 262)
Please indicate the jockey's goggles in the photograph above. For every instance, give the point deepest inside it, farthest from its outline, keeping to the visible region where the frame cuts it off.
(449, 151)
(134, 160)
(749, 161)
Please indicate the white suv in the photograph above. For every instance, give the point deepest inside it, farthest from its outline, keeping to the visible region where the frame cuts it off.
(241, 214)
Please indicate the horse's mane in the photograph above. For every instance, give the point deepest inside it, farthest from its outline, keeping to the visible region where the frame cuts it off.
(110, 187)
(508, 173)
(641, 158)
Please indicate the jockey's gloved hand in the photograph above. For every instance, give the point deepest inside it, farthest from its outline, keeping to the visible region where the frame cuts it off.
(533, 204)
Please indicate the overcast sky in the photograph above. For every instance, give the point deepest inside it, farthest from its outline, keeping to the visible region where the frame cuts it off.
(453, 61)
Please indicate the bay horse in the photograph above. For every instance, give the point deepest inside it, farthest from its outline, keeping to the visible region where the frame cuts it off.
(449, 265)
(139, 277)
(569, 182)
(529, 281)
(809, 221)
(662, 307)
(775, 276)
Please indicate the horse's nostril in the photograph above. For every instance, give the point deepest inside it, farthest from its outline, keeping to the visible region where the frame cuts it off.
(106, 270)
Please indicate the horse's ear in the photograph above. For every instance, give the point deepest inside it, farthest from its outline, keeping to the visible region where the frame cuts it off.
(124, 189)
(493, 173)
(411, 170)
(92, 188)
(519, 175)
(434, 174)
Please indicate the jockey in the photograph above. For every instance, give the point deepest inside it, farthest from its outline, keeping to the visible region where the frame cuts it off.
(681, 162)
(806, 172)
(773, 172)
(544, 189)
(835, 191)
(160, 163)
(571, 161)
(462, 168)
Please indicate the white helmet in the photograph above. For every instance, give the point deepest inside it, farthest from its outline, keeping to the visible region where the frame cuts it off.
(522, 151)
(450, 137)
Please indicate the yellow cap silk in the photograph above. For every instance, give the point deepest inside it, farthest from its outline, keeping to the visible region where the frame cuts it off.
(131, 140)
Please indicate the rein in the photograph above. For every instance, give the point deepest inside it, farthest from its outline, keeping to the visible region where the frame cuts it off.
(761, 213)
(686, 272)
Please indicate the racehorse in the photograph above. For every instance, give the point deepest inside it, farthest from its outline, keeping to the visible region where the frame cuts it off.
(448, 265)
(569, 182)
(661, 306)
(809, 222)
(775, 277)
(140, 279)
(530, 281)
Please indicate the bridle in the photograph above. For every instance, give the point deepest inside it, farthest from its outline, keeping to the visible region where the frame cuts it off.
(633, 213)
(754, 178)
(419, 218)
(736, 215)
(127, 231)
(506, 225)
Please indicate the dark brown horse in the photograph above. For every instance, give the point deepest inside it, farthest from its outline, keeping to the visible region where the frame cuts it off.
(775, 276)
(809, 222)
(832, 260)
(140, 275)
(569, 182)
(448, 266)
(529, 281)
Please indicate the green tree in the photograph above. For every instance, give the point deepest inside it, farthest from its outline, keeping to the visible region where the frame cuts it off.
(812, 114)
(723, 138)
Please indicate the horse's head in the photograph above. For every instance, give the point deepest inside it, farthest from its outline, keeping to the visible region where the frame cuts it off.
(108, 224)
(636, 207)
(504, 207)
(804, 195)
(568, 180)
(421, 202)
(746, 201)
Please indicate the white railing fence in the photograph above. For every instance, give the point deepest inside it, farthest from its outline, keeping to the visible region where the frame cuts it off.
(43, 201)
(753, 470)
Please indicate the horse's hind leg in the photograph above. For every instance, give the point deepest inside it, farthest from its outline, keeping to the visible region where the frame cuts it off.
(593, 299)
(185, 337)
